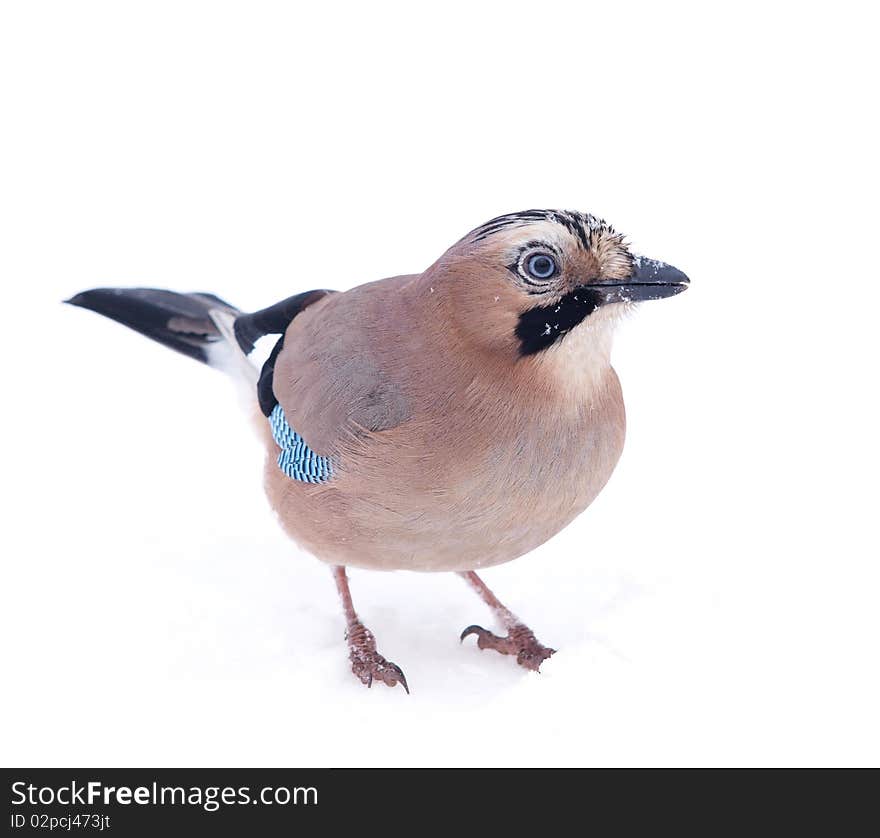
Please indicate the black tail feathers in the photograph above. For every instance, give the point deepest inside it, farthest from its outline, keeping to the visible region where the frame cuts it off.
(179, 321)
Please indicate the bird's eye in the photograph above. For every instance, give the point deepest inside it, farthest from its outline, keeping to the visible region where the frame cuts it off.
(541, 266)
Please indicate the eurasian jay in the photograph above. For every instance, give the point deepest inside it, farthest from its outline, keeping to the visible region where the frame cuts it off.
(444, 421)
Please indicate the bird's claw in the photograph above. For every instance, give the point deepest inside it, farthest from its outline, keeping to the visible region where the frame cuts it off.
(385, 671)
(367, 664)
(520, 641)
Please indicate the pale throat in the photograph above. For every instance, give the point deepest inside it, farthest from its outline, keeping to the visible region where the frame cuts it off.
(579, 364)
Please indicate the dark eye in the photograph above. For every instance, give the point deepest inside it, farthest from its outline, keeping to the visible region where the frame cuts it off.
(541, 266)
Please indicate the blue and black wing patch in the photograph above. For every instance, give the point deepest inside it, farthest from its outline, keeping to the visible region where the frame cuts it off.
(296, 459)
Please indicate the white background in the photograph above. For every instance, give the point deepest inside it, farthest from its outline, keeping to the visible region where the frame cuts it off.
(718, 604)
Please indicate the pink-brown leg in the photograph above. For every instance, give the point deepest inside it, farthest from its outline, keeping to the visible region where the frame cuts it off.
(520, 639)
(366, 662)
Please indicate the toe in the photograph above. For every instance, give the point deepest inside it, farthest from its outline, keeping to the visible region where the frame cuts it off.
(394, 676)
(477, 630)
(533, 658)
(487, 640)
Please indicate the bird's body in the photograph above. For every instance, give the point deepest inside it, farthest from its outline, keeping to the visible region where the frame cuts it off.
(455, 466)
(444, 421)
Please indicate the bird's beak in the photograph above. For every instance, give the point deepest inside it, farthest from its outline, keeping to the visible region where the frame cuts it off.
(649, 280)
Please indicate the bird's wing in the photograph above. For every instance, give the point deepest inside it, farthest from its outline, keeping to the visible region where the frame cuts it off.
(340, 370)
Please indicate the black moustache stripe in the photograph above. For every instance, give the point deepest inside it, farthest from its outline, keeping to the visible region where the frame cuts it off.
(542, 326)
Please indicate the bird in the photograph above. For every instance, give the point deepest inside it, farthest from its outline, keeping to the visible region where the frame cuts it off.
(445, 421)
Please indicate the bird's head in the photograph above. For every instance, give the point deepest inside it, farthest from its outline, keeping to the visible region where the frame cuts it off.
(526, 283)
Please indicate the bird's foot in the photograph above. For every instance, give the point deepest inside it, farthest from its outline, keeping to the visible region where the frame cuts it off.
(520, 641)
(366, 663)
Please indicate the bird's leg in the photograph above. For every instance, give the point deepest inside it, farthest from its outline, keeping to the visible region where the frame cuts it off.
(520, 639)
(366, 662)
